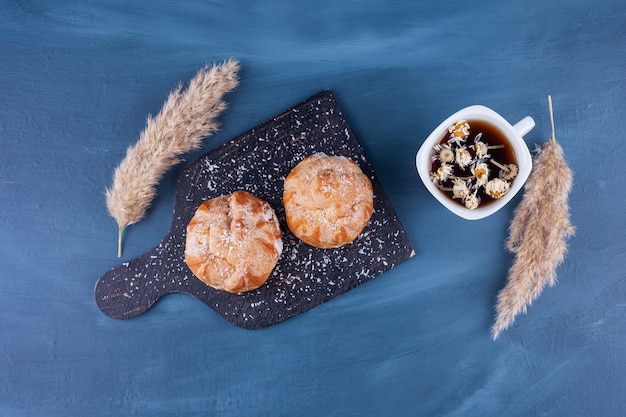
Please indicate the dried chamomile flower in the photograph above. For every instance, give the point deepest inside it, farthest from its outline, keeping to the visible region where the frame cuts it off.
(497, 187)
(481, 150)
(481, 172)
(458, 132)
(471, 201)
(460, 129)
(443, 153)
(463, 157)
(510, 173)
(442, 174)
(460, 189)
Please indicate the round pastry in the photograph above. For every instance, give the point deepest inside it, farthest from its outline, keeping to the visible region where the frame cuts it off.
(328, 200)
(233, 242)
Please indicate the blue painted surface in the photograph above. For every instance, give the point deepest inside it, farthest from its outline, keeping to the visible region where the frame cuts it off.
(77, 81)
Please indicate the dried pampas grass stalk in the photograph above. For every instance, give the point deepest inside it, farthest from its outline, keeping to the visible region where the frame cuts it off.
(538, 233)
(186, 118)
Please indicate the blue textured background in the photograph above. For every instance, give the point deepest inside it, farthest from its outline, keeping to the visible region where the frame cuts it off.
(77, 80)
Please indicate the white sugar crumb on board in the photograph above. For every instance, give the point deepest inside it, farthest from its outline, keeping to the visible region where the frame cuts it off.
(210, 167)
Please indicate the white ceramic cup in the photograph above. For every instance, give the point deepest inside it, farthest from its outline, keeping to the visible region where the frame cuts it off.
(513, 133)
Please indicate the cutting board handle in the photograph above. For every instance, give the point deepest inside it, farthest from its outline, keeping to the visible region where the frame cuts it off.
(131, 288)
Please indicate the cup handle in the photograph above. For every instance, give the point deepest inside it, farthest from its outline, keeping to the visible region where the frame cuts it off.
(524, 126)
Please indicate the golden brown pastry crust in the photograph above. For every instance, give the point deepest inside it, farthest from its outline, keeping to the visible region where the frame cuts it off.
(233, 242)
(328, 200)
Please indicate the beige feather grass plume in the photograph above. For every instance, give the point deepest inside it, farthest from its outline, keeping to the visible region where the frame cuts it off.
(538, 233)
(186, 118)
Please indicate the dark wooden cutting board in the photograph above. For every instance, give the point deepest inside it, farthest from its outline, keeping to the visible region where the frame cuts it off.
(258, 162)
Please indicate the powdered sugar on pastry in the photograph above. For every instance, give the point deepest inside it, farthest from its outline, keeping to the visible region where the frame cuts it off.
(328, 200)
(233, 242)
